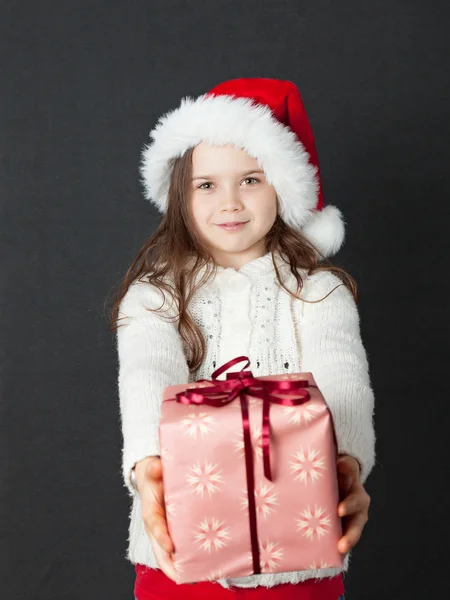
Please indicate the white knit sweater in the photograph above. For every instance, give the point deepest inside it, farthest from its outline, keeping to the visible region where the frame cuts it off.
(244, 312)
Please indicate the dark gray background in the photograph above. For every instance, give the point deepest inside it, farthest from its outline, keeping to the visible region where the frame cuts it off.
(82, 83)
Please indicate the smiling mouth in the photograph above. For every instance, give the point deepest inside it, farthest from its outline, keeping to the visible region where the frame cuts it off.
(232, 226)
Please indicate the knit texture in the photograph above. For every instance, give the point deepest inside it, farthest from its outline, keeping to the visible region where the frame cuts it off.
(244, 312)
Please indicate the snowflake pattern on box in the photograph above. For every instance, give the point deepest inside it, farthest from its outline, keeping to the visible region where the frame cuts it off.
(314, 524)
(215, 575)
(170, 505)
(265, 498)
(196, 424)
(256, 437)
(212, 533)
(164, 454)
(271, 555)
(304, 412)
(309, 464)
(322, 565)
(178, 564)
(204, 478)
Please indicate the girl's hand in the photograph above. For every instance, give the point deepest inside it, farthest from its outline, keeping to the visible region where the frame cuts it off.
(355, 502)
(150, 486)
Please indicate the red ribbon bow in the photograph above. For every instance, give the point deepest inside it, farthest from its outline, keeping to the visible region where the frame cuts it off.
(243, 384)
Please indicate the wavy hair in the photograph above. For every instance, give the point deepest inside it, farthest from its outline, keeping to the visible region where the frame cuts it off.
(164, 257)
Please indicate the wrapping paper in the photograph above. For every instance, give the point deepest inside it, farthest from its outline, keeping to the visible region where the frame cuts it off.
(249, 471)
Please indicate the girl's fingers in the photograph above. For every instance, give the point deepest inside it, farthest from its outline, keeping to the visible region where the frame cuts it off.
(353, 503)
(349, 505)
(156, 496)
(165, 561)
(153, 512)
(353, 530)
(158, 529)
(154, 469)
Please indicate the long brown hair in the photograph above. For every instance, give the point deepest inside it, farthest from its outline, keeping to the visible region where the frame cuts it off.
(163, 258)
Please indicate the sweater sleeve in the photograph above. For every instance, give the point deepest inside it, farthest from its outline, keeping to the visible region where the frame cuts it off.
(150, 357)
(333, 351)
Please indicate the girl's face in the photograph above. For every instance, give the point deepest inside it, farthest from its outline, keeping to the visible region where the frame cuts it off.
(229, 186)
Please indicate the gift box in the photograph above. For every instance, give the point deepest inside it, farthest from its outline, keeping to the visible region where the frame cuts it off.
(250, 479)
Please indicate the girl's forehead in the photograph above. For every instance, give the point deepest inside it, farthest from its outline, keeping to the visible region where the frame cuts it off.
(222, 158)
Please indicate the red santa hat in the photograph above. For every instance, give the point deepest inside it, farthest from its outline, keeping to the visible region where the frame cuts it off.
(267, 118)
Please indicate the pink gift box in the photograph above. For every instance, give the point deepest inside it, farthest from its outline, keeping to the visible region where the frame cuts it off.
(256, 495)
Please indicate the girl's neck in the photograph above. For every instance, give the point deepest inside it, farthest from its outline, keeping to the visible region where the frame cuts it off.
(236, 260)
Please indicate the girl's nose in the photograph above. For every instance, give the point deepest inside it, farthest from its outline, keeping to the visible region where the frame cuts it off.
(231, 201)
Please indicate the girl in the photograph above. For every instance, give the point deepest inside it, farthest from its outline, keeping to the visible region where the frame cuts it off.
(238, 266)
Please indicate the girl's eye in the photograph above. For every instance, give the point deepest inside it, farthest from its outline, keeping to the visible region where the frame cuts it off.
(209, 183)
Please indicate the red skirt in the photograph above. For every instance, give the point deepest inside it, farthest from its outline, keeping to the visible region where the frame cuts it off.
(153, 584)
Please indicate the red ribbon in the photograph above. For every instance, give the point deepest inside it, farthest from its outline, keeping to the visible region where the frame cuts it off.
(243, 384)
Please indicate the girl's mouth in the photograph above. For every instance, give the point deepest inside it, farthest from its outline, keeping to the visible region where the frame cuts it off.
(233, 226)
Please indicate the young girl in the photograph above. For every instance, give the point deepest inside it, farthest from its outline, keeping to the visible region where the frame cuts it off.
(238, 267)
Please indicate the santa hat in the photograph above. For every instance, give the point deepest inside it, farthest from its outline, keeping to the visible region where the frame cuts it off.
(265, 117)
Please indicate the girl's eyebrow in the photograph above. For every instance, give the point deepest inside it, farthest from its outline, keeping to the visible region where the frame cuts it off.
(241, 175)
